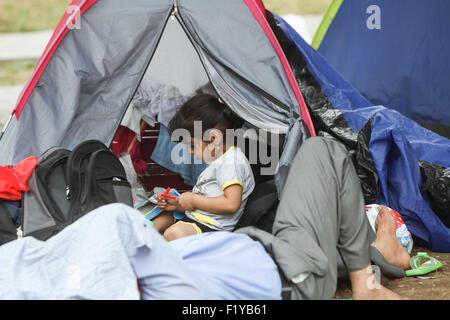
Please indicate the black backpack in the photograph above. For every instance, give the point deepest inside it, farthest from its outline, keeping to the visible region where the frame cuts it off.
(261, 207)
(67, 185)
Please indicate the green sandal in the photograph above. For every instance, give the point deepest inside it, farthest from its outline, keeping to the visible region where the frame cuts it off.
(418, 268)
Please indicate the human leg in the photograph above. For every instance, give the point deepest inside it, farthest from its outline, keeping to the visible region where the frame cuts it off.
(181, 229)
(163, 221)
(322, 208)
(162, 273)
(387, 242)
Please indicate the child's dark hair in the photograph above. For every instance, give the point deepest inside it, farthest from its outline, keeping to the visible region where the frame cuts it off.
(208, 109)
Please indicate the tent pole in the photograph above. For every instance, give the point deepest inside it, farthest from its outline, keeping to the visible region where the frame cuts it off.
(7, 124)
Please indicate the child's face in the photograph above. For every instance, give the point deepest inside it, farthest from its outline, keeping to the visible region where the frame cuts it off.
(202, 150)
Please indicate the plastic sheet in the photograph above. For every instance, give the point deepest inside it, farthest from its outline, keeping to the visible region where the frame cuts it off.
(329, 120)
(436, 184)
(395, 143)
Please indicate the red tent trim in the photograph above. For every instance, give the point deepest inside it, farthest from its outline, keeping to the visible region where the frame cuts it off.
(258, 10)
(67, 21)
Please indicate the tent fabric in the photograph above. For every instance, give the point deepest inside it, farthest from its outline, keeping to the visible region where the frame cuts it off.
(326, 21)
(332, 121)
(396, 143)
(259, 13)
(403, 65)
(89, 80)
(70, 18)
(94, 72)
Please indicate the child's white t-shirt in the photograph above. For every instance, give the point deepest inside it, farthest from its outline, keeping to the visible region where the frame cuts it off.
(231, 168)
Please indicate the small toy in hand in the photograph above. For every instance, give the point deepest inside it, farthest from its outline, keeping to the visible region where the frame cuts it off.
(156, 211)
(167, 195)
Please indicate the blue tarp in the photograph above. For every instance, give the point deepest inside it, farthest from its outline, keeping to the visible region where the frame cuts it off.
(403, 65)
(397, 144)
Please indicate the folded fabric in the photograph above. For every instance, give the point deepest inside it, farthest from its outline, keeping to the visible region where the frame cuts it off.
(125, 142)
(161, 100)
(134, 115)
(14, 179)
(231, 265)
(176, 157)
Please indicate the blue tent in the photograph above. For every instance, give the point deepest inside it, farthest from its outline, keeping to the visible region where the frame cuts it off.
(400, 163)
(395, 53)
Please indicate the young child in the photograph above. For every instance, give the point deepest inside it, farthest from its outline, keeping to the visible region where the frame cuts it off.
(218, 199)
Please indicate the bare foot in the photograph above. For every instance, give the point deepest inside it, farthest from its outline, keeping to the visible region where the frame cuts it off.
(387, 242)
(380, 293)
(365, 286)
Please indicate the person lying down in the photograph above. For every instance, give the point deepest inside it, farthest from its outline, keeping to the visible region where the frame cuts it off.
(108, 252)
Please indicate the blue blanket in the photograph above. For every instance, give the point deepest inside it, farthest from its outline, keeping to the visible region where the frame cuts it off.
(104, 254)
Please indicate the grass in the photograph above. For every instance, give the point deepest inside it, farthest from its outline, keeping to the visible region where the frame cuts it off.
(31, 15)
(297, 6)
(35, 15)
(16, 72)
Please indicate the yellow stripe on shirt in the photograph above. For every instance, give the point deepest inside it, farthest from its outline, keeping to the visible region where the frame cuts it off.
(202, 218)
(229, 183)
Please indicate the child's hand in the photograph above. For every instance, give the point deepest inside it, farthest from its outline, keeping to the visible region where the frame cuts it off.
(167, 204)
(186, 200)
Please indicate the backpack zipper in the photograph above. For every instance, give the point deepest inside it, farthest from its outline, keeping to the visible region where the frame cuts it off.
(68, 192)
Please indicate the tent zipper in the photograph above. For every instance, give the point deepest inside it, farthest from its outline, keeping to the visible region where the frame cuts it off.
(174, 11)
(19, 230)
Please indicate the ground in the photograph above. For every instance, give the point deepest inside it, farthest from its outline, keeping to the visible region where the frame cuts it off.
(414, 288)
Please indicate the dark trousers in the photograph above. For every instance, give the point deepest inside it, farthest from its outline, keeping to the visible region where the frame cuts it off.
(320, 222)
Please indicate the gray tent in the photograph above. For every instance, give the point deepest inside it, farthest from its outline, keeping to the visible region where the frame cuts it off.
(102, 50)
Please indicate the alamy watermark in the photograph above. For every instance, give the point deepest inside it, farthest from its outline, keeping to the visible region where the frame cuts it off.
(261, 146)
(373, 22)
(74, 21)
(374, 281)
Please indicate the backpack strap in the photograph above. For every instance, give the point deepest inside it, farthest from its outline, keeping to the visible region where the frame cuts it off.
(48, 162)
(104, 174)
(76, 173)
